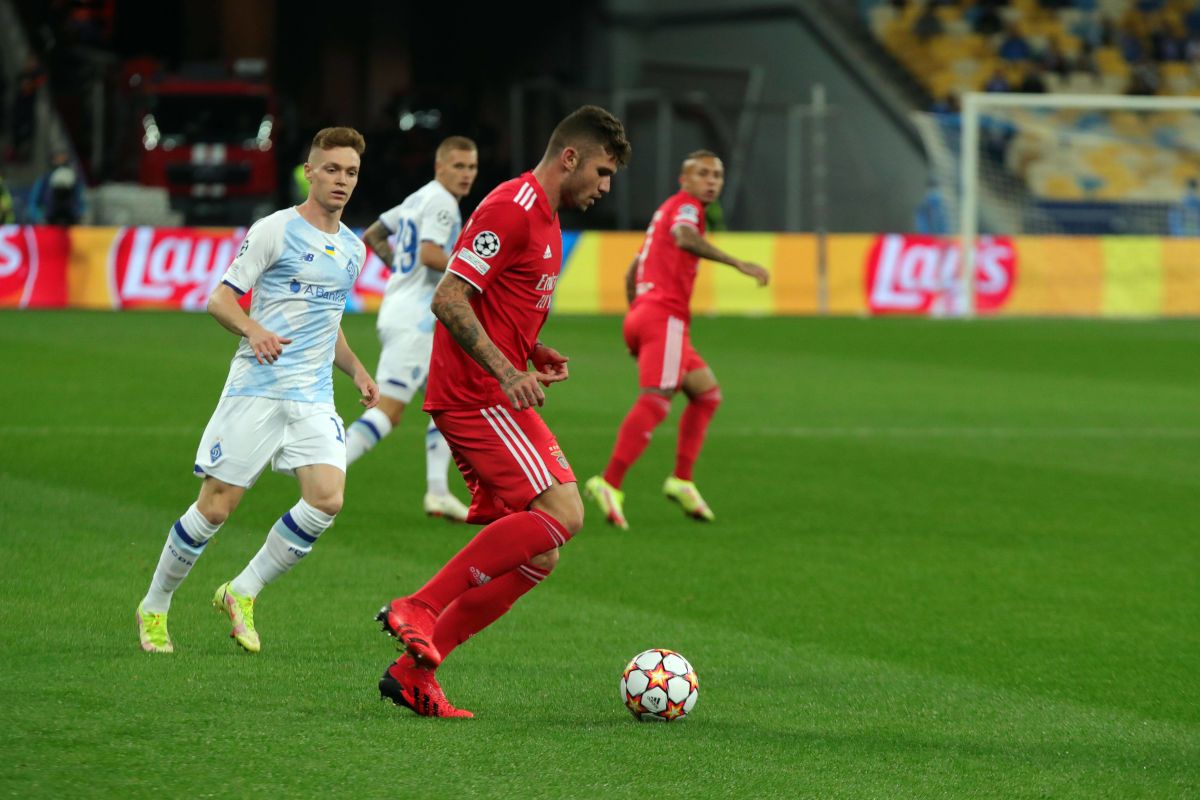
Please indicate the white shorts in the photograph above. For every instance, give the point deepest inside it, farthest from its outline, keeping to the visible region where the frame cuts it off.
(403, 362)
(247, 433)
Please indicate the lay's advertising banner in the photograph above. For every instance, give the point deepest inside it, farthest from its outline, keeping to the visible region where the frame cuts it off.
(866, 274)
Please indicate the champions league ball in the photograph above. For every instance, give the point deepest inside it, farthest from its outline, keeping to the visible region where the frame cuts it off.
(659, 686)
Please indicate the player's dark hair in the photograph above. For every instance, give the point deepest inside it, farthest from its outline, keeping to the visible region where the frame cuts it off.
(329, 138)
(591, 125)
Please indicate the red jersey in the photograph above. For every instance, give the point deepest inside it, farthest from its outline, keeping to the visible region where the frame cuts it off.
(511, 251)
(665, 273)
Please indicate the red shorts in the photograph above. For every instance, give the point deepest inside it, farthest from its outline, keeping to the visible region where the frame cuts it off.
(506, 457)
(663, 349)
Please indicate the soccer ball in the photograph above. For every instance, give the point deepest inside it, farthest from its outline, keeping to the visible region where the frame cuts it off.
(659, 686)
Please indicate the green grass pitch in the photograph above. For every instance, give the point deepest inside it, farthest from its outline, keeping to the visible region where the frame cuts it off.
(951, 560)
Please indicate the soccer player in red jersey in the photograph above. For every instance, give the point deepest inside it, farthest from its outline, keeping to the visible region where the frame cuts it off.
(659, 288)
(490, 306)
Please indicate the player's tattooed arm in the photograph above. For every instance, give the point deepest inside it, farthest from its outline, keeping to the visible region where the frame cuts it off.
(690, 241)
(451, 305)
(376, 238)
(631, 280)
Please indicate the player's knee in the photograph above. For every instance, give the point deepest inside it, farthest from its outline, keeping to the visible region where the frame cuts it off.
(711, 398)
(214, 513)
(570, 515)
(546, 560)
(394, 412)
(216, 506)
(329, 503)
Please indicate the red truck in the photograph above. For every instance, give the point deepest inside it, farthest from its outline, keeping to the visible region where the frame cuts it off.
(210, 140)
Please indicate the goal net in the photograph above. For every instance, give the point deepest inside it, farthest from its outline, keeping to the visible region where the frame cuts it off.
(1063, 165)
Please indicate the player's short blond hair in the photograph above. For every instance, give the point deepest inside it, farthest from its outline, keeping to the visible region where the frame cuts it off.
(451, 143)
(329, 138)
(695, 155)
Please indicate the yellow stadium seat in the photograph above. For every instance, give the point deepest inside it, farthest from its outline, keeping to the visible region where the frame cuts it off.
(1062, 187)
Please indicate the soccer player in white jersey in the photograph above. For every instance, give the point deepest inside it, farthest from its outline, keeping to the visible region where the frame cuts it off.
(424, 228)
(277, 404)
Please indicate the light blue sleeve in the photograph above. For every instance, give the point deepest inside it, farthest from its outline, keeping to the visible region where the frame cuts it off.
(259, 250)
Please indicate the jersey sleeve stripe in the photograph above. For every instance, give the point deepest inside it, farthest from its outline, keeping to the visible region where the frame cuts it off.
(525, 196)
(466, 278)
(237, 289)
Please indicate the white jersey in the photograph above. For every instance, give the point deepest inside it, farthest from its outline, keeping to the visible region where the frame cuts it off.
(301, 277)
(429, 214)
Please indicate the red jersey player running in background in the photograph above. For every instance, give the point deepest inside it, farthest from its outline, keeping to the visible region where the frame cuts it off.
(490, 306)
(659, 289)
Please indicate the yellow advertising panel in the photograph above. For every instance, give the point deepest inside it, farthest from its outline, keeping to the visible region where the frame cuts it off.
(157, 268)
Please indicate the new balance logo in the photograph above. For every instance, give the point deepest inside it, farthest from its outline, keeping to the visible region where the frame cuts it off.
(525, 196)
(479, 578)
(547, 254)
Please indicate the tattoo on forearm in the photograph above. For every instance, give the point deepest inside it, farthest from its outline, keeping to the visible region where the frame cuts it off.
(377, 241)
(451, 307)
(700, 246)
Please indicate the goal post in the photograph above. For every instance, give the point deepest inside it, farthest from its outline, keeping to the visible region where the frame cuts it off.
(1062, 165)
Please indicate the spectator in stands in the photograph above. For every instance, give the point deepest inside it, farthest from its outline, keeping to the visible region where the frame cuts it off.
(29, 81)
(57, 196)
(1191, 20)
(1086, 61)
(1131, 46)
(985, 20)
(1183, 219)
(997, 83)
(1143, 79)
(1108, 32)
(946, 104)
(1192, 50)
(928, 25)
(7, 216)
(1014, 47)
(1032, 82)
(1165, 45)
(1053, 59)
(932, 216)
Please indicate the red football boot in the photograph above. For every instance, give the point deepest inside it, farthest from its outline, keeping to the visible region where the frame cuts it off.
(411, 623)
(406, 684)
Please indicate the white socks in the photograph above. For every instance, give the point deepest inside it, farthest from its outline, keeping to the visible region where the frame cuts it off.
(185, 543)
(291, 539)
(437, 460)
(366, 432)
(370, 429)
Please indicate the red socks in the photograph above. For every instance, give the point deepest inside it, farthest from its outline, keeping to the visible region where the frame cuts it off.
(634, 434)
(501, 547)
(480, 606)
(692, 427)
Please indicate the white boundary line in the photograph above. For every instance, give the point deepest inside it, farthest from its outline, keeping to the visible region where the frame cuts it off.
(857, 432)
